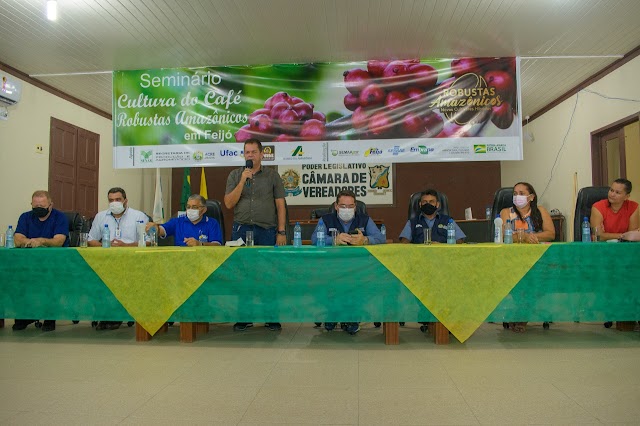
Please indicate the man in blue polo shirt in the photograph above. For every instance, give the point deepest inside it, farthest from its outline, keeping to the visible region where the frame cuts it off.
(430, 217)
(43, 226)
(194, 229)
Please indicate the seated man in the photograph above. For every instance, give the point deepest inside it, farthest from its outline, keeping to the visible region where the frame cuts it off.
(194, 229)
(413, 231)
(122, 221)
(43, 226)
(353, 229)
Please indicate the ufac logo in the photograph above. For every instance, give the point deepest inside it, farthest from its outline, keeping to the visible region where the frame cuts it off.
(396, 150)
(297, 152)
(198, 155)
(269, 153)
(230, 153)
(146, 156)
(421, 149)
(291, 182)
(372, 152)
(379, 177)
(484, 149)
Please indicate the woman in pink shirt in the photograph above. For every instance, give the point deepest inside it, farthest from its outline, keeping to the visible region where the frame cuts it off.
(617, 214)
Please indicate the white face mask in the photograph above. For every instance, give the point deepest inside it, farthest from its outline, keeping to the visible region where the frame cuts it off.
(520, 201)
(346, 214)
(193, 214)
(116, 207)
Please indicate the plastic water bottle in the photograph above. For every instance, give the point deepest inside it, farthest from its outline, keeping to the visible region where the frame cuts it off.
(586, 230)
(383, 231)
(487, 213)
(8, 242)
(320, 234)
(497, 229)
(153, 236)
(106, 236)
(141, 234)
(508, 233)
(297, 235)
(451, 232)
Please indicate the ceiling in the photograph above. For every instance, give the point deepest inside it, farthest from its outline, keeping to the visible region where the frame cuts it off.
(575, 38)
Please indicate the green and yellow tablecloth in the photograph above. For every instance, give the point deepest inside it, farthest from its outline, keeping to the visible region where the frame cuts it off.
(460, 286)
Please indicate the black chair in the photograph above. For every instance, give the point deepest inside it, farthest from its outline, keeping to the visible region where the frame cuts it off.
(76, 226)
(587, 196)
(503, 198)
(361, 208)
(414, 204)
(214, 210)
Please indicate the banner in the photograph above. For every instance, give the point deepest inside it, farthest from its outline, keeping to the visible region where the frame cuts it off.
(318, 184)
(465, 109)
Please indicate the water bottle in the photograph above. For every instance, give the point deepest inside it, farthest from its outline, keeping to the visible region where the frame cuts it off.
(451, 232)
(153, 236)
(106, 236)
(8, 242)
(320, 234)
(141, 234)
(313, 214)
(586, 230)
(487, 213)
(497, 229)
(383, 231)
(508, 233)
(297, 235)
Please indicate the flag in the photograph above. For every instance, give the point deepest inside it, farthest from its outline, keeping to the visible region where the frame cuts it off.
(158, 203)
(203, 185)
(186, 189)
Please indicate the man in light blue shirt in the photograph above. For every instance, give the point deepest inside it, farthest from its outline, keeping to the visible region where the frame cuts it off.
(430, 217)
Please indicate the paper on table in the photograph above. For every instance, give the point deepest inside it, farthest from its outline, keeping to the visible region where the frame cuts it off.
(237, 243)
(467, 214)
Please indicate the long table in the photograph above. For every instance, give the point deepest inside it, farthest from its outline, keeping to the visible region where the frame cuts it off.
(459, 286)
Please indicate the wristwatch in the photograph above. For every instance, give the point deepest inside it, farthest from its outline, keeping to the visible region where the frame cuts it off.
(282, 232)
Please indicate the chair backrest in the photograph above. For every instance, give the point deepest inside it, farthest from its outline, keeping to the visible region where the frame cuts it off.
(76, 226)
(414, 204)
(503, 198)
(214, 210)
(361, 208)
(586, 197)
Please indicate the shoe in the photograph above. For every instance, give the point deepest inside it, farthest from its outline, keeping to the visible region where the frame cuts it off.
(242, 326)
(273, 326)
(317, 325)
(49, 325)
(329, 326)
(377, 324)
(401, 324)
(21, 324)
(102, 325)
(113, 325)
(353, 328)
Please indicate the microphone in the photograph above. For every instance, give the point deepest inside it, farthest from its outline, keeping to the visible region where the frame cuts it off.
(249, 164)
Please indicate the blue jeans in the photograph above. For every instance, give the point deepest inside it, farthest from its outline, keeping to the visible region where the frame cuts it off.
(261, 236)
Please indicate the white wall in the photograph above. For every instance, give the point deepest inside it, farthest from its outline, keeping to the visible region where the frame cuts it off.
(592, 112)
(23, 171)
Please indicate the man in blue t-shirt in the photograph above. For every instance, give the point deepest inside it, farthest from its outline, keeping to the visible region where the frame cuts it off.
(194, 229)
(43, 226)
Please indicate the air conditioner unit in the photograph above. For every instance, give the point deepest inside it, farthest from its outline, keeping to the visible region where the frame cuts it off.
(10, 89)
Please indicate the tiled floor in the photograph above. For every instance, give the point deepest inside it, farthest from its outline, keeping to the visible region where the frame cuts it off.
(569, 374)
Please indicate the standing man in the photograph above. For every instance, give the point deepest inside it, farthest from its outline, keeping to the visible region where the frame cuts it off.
(43, 226)
(430, 217)
(122, 221)
(194, 229)
(256, 195)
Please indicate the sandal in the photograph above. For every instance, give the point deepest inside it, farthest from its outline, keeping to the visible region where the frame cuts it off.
(518, 327)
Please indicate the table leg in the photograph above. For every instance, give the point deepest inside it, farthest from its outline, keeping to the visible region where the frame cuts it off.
(188, 332)
(1, 323)
(440, 333)
(625, 325)
(141, 334)
(391, 332)
(164, 328)
(202, 328)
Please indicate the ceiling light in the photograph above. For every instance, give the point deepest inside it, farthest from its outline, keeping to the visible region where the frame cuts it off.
(52, 10)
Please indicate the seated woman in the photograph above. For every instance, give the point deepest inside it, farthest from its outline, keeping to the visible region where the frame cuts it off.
(533, 219)
(617, 214)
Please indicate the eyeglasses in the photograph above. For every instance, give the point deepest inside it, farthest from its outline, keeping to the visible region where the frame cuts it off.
(347, 206)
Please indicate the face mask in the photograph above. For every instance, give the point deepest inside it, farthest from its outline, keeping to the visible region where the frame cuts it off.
(116, 207)
(346, 214)
(520, 201)
(193, 214)
(40, 211)
(428, 209)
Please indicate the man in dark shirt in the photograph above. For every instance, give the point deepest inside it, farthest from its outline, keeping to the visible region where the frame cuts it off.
(43, 226)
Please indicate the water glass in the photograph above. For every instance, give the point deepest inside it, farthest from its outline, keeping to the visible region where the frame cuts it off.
(84, 238)
(518, 236)
(596, 233)
(249, 239)
(2, 240)
(427, 235)
(202, 239)
(334, 236)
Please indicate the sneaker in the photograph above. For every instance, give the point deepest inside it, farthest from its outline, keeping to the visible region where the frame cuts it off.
(273, 326)
(353, 328)
(377, 324)
(242, 326)
(113, 325)
(49, 325)
(329, 326)
(21, 324)
(102, 325)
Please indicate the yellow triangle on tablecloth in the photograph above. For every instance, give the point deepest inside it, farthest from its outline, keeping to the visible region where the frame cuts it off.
(459, 284)
(151, 283)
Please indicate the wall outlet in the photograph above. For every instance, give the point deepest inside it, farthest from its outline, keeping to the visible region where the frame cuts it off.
(39, 149)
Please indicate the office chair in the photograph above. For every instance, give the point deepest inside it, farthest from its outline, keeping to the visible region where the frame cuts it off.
(214, 210)
(503, 198)
(76, 226)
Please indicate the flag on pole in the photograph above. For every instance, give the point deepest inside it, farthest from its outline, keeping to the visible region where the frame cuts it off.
(186, 189)
(158, 203)
(203, 186)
